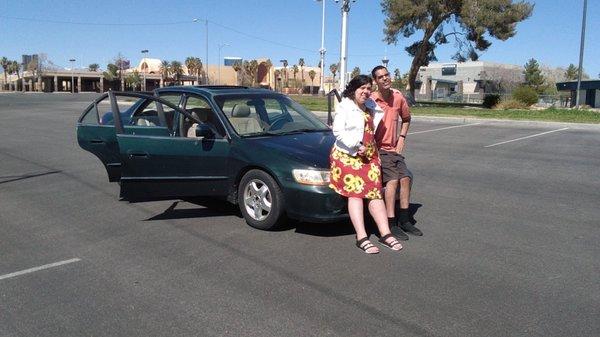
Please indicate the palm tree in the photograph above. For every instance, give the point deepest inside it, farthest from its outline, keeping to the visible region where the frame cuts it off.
(295, 71)
(176, 70)
(333, 68)
(165, 70)
(194, 66)
(14, 67)
(301, 64)
(94, 67)
(311, 75)
(268, 65)
(5, 62)
(277, 73)
(285, 65)
(134, 79)
(237, 66)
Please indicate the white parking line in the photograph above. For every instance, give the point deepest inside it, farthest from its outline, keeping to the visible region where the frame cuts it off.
(445, 128)
(538, 134)
(31, 270)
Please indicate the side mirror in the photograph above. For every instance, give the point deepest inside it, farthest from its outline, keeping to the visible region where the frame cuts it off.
(204, 131)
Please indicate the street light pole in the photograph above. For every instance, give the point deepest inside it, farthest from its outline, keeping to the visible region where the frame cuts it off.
(322, 51)
(221, 45)
(206, 60)
(344, 47)
(145, 51)
(72, 76)
(581, 54)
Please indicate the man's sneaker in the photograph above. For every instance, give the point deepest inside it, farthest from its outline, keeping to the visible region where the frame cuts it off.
(410, 228)
(398, 233)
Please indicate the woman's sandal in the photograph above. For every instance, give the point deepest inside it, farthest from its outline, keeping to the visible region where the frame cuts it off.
(393, 244)
(364, 244)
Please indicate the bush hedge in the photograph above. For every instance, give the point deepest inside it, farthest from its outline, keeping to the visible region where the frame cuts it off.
(526, 95)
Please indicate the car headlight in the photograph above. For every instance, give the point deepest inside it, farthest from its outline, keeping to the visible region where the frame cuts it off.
(311, 177)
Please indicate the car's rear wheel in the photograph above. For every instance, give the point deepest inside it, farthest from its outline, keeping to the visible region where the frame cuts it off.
(260, 200)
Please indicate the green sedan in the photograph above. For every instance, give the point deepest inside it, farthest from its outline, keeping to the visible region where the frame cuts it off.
(252, 147)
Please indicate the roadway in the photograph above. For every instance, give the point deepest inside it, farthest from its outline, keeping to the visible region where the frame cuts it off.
(509, 211)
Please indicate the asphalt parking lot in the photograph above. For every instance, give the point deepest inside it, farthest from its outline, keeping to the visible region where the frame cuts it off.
(510, 212)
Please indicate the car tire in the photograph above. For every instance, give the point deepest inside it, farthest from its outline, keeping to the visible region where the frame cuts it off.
(260, 200)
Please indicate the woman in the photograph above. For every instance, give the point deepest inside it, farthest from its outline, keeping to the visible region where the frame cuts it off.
(355, 165)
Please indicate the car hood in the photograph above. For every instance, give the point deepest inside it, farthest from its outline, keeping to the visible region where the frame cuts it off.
(308, 148)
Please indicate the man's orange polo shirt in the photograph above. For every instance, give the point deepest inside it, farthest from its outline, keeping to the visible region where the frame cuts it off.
(394, 108)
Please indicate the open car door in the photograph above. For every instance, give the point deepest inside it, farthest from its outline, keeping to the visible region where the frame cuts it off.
(158, 160)
(96, 134)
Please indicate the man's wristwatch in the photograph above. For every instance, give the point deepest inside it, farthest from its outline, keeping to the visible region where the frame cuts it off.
(403, 136)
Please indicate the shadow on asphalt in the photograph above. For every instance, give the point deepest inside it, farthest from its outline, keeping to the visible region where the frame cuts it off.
(213, 208)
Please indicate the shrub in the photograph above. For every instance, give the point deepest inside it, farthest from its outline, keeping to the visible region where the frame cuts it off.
(491, 100)
(511, 104)
(526, 95)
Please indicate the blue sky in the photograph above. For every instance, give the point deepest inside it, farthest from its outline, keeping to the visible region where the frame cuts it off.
(96, 31)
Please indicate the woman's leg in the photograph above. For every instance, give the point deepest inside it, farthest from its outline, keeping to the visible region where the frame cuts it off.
(355, 210)
(379, 214)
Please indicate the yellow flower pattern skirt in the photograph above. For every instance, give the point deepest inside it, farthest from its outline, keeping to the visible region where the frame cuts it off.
(357, 176)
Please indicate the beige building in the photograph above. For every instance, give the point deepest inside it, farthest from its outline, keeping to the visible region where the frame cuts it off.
(81, 80)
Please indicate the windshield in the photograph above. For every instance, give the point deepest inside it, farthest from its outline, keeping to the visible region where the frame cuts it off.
(256, 115)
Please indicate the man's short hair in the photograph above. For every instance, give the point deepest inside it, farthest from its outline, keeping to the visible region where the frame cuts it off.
(379, 67)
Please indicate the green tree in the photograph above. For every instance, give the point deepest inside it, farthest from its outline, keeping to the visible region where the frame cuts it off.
(94, 67)
(467, 22)
(237, 66)
(251, 71)
(194, 67)
(355, 72)
(14, 68)
(134, 79)
(301, 64)
(311, 75)
(400, 80)
(533, 76)
(176, 70)
(111, 72)
(277, 74)
(295, 72)
(5, 63)
(165, 70)
(333, 68)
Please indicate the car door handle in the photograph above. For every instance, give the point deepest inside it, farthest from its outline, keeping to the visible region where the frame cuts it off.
(96, 141)
(141, 155)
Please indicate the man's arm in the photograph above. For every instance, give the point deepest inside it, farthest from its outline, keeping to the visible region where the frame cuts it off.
(405, 116)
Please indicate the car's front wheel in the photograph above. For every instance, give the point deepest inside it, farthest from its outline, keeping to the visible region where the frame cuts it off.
(260, 200)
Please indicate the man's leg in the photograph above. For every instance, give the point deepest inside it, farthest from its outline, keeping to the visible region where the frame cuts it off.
(391, 188)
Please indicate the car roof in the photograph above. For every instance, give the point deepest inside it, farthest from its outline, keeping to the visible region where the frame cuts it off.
(217, 90)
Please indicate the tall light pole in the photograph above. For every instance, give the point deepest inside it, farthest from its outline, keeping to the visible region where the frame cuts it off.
(581, 54)
(322, 50)
(344, 47)
(145, 51)
(205, 60)
(221, 45)
(72, 75)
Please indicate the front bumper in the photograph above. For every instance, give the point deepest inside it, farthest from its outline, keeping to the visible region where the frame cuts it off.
(314, 203)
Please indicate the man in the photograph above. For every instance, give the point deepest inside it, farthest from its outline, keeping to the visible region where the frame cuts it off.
(390, 105)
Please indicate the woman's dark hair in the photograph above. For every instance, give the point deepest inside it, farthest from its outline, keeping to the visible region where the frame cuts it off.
(355, 83)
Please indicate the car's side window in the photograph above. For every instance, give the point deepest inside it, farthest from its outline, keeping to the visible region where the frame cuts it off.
(147, 115)
(91, 116)
(247, 116)
(200, 109)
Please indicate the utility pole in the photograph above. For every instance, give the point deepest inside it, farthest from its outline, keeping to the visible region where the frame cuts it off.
(145, 51)
(72, 75)
(344, 46)
(581, 54)
(322, 51)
